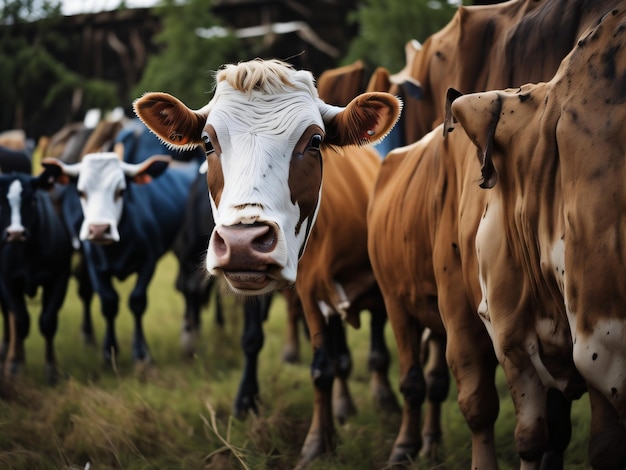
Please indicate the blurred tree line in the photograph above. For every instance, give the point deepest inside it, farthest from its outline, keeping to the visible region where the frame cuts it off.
(34, 81)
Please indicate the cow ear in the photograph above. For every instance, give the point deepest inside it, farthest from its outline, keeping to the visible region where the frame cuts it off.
(479, 114)
(367, 119)
(449, 120)
(171, 120)
(54, 172)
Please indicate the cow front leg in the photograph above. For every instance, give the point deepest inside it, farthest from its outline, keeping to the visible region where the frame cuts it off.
(85, 294)
(19, 327)
(378, 364)
(255, 313)
(321, 437)
(109, 301)
(52, 301)
(138, 302)
(343, 405)
(291, 350)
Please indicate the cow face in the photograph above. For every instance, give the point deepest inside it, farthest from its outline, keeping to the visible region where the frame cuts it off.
(102, 179)
(264, 132)
(19, 203)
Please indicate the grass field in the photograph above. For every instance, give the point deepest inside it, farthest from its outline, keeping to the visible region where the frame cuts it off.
(176, 415)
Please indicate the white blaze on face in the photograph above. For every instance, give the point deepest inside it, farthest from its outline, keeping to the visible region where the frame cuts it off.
(100, 183)
(257, 134)
(14, 197)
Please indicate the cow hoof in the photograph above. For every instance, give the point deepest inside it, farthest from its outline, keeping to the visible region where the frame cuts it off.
(291, 355)
(52, 374)
(314, 446)
(188, 341)
(403, 453)
(343, 408)
(430, 448)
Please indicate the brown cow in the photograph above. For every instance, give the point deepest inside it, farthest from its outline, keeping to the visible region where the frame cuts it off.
(489, 47)
(446, 58)
(551, 241)
(264, 131)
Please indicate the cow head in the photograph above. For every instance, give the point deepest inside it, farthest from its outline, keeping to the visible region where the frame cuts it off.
(19, 203)
(101, 179)
(264, 131)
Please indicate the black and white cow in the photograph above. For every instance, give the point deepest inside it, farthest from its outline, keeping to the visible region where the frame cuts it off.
(35, 251)
(127, 227)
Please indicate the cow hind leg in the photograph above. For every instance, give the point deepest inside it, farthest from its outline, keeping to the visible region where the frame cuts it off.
(378, 364)
(437, 387)
(343, 405)
(607, 436)
(559, 430)
(255, 313)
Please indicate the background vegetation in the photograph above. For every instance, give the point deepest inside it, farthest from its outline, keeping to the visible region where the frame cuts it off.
(177, 414)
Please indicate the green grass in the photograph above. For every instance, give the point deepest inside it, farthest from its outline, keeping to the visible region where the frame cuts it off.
(177, 414)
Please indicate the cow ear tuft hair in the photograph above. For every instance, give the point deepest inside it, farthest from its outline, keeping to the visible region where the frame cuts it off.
(171, 120)
(367, 119)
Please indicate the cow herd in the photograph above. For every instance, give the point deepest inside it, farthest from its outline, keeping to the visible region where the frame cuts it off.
(494, 236)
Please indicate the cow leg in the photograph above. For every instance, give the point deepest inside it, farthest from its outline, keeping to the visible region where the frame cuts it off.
(85, 293)
(52, 301)
(109, 300)
(6, 332)
(255, 313)
(407, 331)
(607, 434)
(196, 294)
(137, 302)
(378, 364)
(321, 437)
(343, 405)
(437, 379)
(559, 430)
(291, 351)
(19, 327)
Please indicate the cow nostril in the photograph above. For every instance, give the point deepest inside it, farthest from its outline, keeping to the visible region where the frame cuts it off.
(265, 242)
(219, 244)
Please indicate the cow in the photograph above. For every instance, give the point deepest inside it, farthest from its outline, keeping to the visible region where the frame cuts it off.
(268, 135)
(489, 47)
(127, 225)
(550, 243)
(35, 251)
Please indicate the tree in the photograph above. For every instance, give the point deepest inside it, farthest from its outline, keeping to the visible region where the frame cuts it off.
(35, 86)
(184, 66)
(387, 25)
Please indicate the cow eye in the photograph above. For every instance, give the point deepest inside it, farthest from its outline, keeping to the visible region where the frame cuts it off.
(119, 193)
(315, 142)
(208, 146)
(81, 194)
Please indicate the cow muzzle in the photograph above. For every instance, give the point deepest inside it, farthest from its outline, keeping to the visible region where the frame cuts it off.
(15, 234)
(243, 254)
(101, 234)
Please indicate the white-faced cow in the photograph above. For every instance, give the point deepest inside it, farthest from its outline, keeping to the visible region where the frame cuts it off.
(266, 131)
(127, 226)
(551, 241)
(35, 251)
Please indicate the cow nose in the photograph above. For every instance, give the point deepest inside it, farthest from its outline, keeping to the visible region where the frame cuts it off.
(241, 246)
(97, 231)
(14, 235)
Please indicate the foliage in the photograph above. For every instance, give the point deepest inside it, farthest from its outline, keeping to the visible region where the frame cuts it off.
(184, 65)
(387, 25)
(34, 83)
